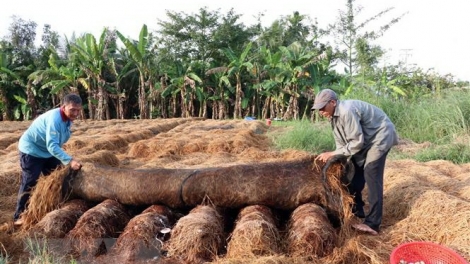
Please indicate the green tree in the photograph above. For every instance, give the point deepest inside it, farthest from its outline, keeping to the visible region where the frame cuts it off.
(144, 60)
(9, 79)
(353, 38)
(237, 64)
(93, 57)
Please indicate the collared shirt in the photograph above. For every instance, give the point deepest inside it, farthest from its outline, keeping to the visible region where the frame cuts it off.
(362, 130)
(46, 135)
(65, 118)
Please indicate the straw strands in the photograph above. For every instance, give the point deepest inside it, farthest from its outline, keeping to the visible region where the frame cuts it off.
(104, 220)
(144, 235)
(310, 233)
(46, 196)
(198, 236)
(182, 161)
(255, 234)
(57, 223)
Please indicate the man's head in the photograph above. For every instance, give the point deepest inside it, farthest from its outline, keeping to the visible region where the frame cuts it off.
(325, 102)
(72, 106)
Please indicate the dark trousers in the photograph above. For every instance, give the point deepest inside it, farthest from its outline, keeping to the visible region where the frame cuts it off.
(31, 169)
(373, 175)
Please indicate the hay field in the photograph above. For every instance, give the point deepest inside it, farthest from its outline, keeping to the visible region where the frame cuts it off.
(423, 201)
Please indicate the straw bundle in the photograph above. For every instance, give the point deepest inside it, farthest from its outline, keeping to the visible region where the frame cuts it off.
(310, 234)
(361, 249)
(10, 179)
(255, 234)
(142, 238)
(198, 236)
(438, 217)
(104, 220)
(46, 196)
(102, 157)
(7, 139)
(57, 223)
(264, 260)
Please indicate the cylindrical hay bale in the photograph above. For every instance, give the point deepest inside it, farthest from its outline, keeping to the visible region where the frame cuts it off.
(104, 221)
(282, 185)
(130, 187)
(197, 237)
(310, 233)
(161, 210)
(57, 223)
(255, 234)
(144, 235)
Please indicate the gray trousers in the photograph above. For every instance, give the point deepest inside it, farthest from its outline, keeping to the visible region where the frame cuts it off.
(372, 175)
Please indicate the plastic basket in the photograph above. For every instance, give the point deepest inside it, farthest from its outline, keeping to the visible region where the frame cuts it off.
(429, 253)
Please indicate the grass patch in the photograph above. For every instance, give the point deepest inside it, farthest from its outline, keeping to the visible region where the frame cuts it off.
(4, 259)
(41, 253)
(303, 135)
(457, 153)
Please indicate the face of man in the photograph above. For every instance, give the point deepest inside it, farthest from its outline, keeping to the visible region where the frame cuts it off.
(72, 110)
(329, 109)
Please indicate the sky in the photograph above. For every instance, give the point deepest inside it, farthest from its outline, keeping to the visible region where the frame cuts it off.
(432, 34)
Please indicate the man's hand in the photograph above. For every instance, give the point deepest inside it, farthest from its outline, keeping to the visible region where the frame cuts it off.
(75, 165)
(325, 156)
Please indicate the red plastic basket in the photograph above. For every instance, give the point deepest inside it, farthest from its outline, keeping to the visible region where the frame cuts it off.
(429, 253)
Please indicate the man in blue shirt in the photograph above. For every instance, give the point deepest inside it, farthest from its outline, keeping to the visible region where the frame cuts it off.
(365, 133)
(41, 150)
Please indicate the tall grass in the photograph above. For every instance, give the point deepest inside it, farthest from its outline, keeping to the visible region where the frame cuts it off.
(304, 135)
(41, 253)
(441, 120)
(4, 259)
(434, 119)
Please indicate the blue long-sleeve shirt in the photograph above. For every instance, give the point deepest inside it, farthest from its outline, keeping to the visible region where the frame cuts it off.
(46, 135)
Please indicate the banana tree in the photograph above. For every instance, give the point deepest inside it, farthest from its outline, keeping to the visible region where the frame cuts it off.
(58, 78)
(92, 57)
(235, 68)
(218, 82)
(270, 85)
(9, 79)
(295, 58)
(184, 82)
(144, 60)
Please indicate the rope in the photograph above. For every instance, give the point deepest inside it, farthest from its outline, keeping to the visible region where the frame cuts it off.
(182, 185)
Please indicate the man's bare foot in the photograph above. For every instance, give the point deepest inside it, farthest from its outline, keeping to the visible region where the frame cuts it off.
(365, 228)
(18, 223)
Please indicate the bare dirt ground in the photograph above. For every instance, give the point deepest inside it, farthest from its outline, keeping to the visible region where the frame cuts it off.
(423, 201)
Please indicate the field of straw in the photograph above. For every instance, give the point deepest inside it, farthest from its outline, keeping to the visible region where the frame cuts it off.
(111, 217)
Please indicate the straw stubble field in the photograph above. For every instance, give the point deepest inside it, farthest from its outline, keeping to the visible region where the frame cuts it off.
(165, 219)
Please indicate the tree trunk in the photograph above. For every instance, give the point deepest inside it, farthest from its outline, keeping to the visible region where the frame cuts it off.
(143, 106)
(237, 112)
(100, 114)
(91, 107)
(6, 115)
